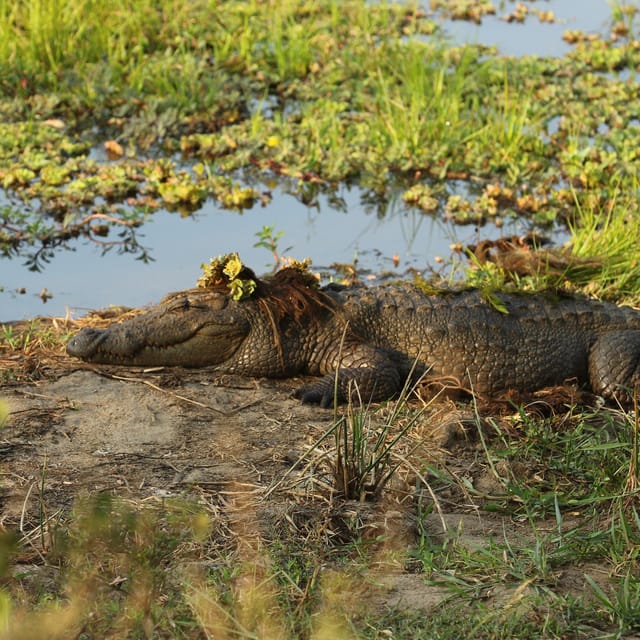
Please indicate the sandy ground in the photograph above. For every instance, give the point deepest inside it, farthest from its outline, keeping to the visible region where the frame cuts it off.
(153, 435)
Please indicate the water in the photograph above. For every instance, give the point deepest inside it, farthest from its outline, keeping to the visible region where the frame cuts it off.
(533, 37)
(82, 278)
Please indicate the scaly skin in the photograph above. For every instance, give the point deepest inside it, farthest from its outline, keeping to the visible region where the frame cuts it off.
(374, 336)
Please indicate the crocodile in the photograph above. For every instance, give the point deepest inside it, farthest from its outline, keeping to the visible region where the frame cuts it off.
(366, 342)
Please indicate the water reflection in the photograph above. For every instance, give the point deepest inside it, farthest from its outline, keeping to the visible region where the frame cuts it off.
(81, 277)
(533, 37)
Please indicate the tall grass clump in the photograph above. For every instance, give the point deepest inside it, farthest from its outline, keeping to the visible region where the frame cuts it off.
(366, 451)
(610, 234)
(44, 38)
(420, 103)
(363, 463)
(448, 110)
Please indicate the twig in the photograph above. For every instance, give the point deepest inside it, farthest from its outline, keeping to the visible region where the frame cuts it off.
(178, 396)
(104, 216)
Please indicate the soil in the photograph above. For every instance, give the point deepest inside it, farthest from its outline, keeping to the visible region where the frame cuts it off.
(244, 444)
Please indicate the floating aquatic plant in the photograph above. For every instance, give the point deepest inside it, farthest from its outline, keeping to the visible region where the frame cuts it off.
(227, 270)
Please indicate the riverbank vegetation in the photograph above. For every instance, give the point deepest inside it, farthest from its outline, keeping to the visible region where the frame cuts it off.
(150, 105)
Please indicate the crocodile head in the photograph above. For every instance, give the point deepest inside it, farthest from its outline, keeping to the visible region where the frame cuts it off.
(270, 333)
(192, 328)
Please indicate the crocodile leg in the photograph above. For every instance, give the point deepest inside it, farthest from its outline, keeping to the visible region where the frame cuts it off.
(363, 374)
(614, 365)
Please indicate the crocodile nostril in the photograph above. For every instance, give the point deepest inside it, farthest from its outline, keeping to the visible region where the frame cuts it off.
(85, 343)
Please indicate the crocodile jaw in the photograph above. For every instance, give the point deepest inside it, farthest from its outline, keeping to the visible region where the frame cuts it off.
(190, 329)
(113, 346)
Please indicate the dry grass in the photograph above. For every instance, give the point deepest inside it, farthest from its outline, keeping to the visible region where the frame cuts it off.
(31, 349)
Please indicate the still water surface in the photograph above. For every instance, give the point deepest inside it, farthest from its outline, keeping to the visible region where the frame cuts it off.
(84, 278)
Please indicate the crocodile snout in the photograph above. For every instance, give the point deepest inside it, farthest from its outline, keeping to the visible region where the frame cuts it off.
(85, 344)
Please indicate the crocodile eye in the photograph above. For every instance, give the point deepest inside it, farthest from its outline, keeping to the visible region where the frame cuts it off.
(213, 301)
(201, 301)
(181, 304)
(220, 301)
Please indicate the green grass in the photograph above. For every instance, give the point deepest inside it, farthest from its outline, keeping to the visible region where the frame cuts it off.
(315, 94)
(33, 335)
(609, 235)
(46, 39)
(601, 258)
